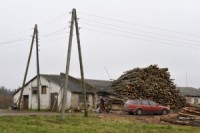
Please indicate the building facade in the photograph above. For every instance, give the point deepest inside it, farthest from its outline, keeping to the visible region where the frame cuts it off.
(51, 92)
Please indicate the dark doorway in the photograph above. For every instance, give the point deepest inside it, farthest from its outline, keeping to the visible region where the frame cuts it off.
(25, 102)
(54, 101)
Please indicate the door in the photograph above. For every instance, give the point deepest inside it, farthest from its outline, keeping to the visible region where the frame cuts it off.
(154, 107)
(54, 101)
(25, 101)
(146, 107)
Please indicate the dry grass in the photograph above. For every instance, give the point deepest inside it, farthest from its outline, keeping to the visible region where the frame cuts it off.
(80, 124)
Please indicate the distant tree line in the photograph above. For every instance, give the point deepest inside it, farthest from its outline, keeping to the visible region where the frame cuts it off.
(5, 97)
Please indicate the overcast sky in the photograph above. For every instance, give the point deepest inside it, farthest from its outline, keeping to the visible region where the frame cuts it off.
(116, 36)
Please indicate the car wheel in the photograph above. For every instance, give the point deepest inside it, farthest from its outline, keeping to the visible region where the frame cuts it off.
(164, 112)
(139, 112)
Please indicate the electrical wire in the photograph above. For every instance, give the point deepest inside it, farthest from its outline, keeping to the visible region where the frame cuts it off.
(146, 35)
(131, 37)
(131, 29)
(14, 41)
(42, 25)
(14, 34)
(53, 39)
(54, 32)
(46, 35)
(49, 35)
(145, 26)
(52, 20)
(10, 46)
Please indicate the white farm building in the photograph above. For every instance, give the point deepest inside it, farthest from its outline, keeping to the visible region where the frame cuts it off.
(51, 91)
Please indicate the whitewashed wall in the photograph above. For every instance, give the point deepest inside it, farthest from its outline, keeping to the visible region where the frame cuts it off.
(90, 100)
(45, 99)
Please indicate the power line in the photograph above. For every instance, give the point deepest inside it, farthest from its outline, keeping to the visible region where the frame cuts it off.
(128, 28)
(14, 41)
(131, 37)
(10, 46)
(42, 25)
(53, 39)
(48, 35)
(131, 23)
(144, 35)
(52, 20)
(57, 31)
(13, 34)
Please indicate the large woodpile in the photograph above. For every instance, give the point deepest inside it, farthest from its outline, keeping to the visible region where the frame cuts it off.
(187, 116)
(149, 83)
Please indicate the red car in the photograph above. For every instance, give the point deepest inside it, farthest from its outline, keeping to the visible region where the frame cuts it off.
(141, 106)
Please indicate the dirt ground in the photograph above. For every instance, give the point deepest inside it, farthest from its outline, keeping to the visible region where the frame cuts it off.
(142, 118)
(8, 112)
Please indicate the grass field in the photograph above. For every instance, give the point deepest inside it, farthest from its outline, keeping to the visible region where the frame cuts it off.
(80, 124)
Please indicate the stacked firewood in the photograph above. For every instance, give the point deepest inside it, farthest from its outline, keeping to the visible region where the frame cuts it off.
(187, 116)
(149, 83)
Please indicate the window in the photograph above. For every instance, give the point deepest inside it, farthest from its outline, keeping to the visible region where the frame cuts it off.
(34, 90)
(137, 102)
(152, 103)
(144, 102)
(44, 90)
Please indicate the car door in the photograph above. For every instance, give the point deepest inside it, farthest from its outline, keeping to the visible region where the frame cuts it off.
(145, 106)
(154, 108)
(136, 104)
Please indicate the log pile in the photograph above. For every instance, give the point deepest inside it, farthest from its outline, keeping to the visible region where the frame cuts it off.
(149, 83)
(187, 116)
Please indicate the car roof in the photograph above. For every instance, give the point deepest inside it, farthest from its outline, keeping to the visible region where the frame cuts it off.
(141, 100)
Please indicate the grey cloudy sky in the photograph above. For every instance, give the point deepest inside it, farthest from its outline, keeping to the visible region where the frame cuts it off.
(116, 35)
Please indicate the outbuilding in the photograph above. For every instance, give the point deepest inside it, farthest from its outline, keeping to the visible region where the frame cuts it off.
(192, 94)
(51, 92)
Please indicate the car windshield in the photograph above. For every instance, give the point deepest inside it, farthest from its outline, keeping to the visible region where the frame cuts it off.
(128, 102)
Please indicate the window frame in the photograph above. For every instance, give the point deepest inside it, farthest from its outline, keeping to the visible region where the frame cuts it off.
(142, 103)
(34, 90)
(137, 102)
(44, 89)
(152, 102)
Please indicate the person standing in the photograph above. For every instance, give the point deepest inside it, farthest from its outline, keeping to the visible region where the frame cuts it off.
(102, 105)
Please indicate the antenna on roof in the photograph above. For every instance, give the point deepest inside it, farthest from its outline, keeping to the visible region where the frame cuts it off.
(108, 73)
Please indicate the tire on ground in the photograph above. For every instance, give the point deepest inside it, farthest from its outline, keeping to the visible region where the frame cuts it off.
(164, 112)
(139, 111)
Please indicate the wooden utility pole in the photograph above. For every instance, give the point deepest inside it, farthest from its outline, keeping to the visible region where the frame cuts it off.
(73, 19)
(64, 99)
(38, 66)
(81, 65)
(26, 71)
